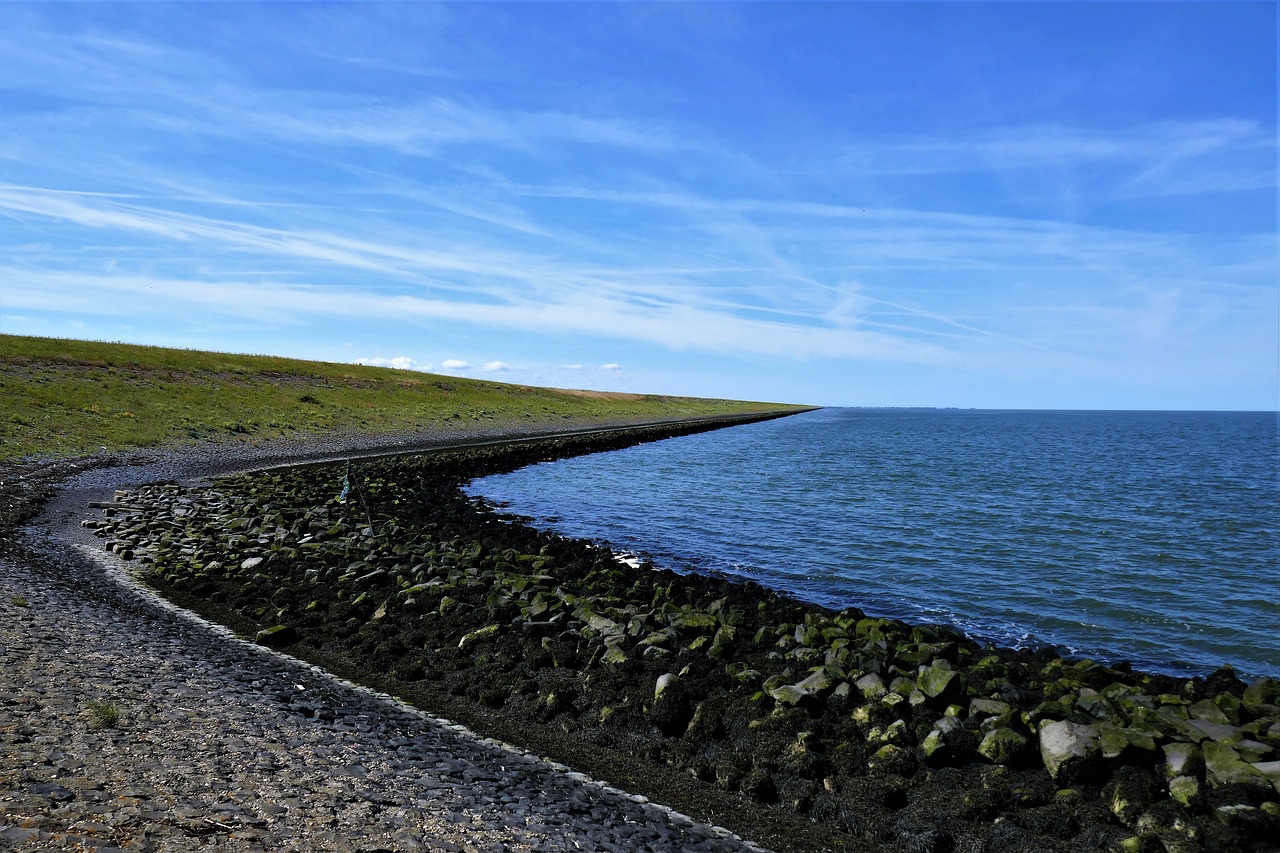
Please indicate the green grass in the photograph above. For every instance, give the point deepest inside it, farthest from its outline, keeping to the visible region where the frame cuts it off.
(102, 715)
(68, 398)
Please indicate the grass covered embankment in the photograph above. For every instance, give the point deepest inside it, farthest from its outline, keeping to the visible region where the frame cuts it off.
(66, 397)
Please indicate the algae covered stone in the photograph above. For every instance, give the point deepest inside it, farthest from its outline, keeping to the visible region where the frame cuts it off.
(1261, 695)
(940, 682)
(1182, 759)
(1185, 790)
(671, 710)
(1003, 746)
(473, 637)
(892, 759)
(1223, 766)
(276, 636)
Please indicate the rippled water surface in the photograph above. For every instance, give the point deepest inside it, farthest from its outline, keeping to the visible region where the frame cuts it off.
(1152, 537)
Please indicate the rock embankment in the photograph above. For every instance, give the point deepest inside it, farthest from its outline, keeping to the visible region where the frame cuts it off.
(126, 724)
(886, 735)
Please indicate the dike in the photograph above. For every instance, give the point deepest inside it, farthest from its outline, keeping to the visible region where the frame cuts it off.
(800, 727)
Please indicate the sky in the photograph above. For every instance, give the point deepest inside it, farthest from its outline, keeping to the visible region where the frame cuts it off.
(992, 205)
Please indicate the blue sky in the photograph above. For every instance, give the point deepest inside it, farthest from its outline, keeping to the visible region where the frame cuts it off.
(1023, 205)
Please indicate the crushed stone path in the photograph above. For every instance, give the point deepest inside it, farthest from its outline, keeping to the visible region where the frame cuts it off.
(223, 745)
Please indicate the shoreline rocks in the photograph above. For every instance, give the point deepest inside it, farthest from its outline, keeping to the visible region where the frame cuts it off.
(893, 736)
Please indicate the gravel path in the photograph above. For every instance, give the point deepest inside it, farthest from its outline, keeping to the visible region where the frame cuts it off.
(223, 745)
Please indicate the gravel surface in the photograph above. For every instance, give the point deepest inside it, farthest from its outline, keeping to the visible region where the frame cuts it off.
(126, 723)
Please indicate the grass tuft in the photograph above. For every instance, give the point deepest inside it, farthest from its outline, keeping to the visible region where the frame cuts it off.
(103, 715)
(18, 601)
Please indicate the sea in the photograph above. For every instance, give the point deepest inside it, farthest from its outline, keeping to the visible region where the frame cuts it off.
(1146, 537)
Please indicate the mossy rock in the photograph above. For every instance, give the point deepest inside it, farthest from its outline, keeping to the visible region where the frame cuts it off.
(892, 760)
(1183, 759)
(1118, 740)
(1223, 766)
(1262, 696)
(941, 684)
(1185, 790)
(1005, 747)
(472, 637)
(276, 636)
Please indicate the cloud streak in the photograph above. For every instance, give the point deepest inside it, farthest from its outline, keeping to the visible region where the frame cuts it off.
(727, 308)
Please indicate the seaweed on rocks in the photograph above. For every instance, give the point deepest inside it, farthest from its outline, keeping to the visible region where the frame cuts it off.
(885, 734)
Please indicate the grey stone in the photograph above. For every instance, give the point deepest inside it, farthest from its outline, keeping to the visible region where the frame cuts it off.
(1068, 749)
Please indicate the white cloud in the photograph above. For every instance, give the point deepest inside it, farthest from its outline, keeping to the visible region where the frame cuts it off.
(1153, 148)
(571, 366)
(401, 362)
(611, 366)
(745, 294)
(496, 366)
(455, 364)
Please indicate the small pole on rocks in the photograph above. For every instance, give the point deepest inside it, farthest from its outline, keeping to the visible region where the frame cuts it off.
(347, 483)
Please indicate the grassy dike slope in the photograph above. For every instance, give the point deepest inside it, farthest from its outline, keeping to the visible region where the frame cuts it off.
(65, 397)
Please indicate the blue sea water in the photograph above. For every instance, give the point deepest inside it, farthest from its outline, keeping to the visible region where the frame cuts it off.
(1150, 537)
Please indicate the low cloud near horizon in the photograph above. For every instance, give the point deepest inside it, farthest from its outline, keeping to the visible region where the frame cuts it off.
(400, 362)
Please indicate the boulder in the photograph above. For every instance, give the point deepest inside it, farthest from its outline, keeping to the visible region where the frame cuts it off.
(1223, 766)
(1252, 751)
(671, 710)
(788, 694)
(1261, 696)
(1207, 729)
(276, 636)
(1069, 750)
(892, 759)
(871, 685)
(1116, 740)
(1003, 746)
(934, 745)
(664, 681)
(1182, 759)
(941, 683)
(1271, 770)
(980, 707)
(1207, 710)
(818, 681)
(1185, 790)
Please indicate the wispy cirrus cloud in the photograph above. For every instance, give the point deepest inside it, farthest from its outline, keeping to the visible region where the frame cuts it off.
(1149, 151)
(678, 327)
(128, 82)
(822, 253)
